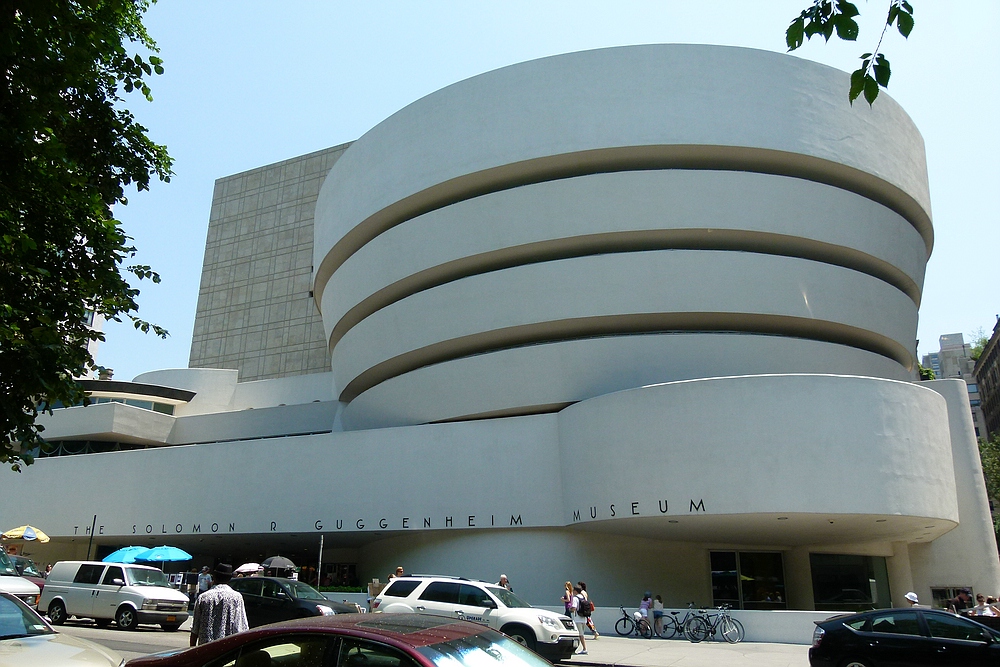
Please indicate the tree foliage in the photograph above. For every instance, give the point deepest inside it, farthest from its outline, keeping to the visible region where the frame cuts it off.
(68, 151)
(989, 454)
(978, 343)
(826, 17)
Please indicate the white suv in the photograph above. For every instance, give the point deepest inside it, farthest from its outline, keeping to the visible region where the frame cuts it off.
(549, 634)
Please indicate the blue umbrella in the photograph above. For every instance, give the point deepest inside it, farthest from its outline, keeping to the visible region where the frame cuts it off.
(124, 555)
(164, 554)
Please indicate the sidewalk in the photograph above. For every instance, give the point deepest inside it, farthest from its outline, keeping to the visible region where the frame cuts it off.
(637, 652)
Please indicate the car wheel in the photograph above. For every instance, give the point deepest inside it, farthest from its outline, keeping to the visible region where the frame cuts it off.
(522, 635)
(855, 662)
(102, 622)
(170, 627)
(57, 612)
(126, 618)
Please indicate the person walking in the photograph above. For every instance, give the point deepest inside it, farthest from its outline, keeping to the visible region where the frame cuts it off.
(218, 612)
(578, 601)
(567, 598)
(590, 616)
(204, 580)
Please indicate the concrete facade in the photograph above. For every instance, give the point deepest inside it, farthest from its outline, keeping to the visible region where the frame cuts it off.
(616, 316)
(954, 360)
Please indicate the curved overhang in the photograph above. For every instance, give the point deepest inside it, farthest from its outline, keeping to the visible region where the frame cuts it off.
(137, 390)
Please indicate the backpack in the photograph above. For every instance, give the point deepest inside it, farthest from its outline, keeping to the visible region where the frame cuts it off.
(583, 607)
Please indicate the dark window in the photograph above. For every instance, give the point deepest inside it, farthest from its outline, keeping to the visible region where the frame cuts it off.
(748, 579)
(88, 574)
(846, 582)
(896, 623)
(271, 588)
(284, 650)
(248, 586)
(401, 588)
(725, 579)
(441, 591)
(948, 627)
(473, 596)
(112, 574)
(358, 653)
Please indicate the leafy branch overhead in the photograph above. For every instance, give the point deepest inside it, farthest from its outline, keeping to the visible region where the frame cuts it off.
(826, 17)
(69, 148)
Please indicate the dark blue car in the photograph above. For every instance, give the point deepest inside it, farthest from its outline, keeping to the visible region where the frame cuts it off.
(898, 637)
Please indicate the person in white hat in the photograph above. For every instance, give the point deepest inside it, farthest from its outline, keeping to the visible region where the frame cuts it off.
(911, 597)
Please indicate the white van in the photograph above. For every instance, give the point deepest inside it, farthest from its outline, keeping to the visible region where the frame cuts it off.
(126, 594)
(11, 582)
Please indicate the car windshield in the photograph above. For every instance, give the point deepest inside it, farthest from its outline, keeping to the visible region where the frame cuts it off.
(489, 649)
(508, 598)
(6, 566)
(304, 591)
(143, 577)
(16, 620)
(27, 567)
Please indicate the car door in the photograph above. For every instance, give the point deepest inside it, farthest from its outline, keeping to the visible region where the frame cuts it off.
(275, 602)
(81, 595)
(896, 640)
(250, 589)
(476, 605)
(956, 641)
(107, 595)
(440, 597)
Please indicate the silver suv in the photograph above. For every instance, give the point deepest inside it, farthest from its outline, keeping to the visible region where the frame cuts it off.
(549, 634)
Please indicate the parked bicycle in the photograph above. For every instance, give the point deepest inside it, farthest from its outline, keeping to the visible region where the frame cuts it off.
(703, 625)
(627, 625)
(670, 625)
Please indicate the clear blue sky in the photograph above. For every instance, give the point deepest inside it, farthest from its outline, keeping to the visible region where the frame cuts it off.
(248, 83)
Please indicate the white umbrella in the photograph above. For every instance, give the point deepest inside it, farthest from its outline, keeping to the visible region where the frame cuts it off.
(247, 567)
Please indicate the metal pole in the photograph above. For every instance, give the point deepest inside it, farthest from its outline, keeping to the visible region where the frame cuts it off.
(319, 564)
(91, 543)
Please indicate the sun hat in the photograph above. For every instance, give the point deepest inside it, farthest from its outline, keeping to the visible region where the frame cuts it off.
(911, 596)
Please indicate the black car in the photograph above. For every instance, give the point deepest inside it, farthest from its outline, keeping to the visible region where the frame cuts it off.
(273, 599)
(897, 637)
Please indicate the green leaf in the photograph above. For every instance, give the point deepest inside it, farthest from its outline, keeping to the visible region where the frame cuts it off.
(857, 84)
(882, 73)
(793, 36)
(871, 89)
(905, 24)
(847, 8)
(847, 29)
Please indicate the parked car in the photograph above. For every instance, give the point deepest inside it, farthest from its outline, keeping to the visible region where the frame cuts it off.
(274, 599)
(26, 639)
(12, 582)
(126, 594)
(896, 637)
(552, 635)
(27, 569)
(356, 640)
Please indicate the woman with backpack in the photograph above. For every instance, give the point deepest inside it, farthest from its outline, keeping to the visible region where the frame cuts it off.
(590, 606)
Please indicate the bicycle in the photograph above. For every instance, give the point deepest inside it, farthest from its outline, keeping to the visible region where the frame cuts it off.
(627, 626)
(670, 625)
(703, 625)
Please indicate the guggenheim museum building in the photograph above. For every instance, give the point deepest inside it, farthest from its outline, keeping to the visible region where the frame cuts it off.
(640, 316)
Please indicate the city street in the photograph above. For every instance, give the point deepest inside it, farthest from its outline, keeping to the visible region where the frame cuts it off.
(618, 651)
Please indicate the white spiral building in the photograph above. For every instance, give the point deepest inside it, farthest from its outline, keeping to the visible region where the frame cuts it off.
(643, 316)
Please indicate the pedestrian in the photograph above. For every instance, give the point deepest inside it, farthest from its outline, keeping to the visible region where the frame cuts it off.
(982, 608)
(204, 580)
(960, 602)
(399, 570)
(218, 612)
(590, 603)
(647, 602)
(505, 583)
(567, 598)
(578, 601)
(658, 614)
(911, 599)
(48, 568)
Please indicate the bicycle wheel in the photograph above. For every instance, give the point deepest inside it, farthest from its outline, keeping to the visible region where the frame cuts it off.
(644, 629)
(739, 627)
(696, 629)
(730, 631)
(625, 626)
(668, 628)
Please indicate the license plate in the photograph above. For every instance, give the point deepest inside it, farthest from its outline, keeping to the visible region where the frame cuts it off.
(171, 618)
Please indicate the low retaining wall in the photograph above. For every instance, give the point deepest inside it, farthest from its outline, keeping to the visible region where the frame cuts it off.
(774, 627)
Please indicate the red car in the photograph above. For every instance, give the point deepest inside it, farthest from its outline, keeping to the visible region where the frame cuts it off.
(356, 640)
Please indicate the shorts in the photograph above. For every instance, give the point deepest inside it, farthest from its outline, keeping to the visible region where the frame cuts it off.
(657, 613)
